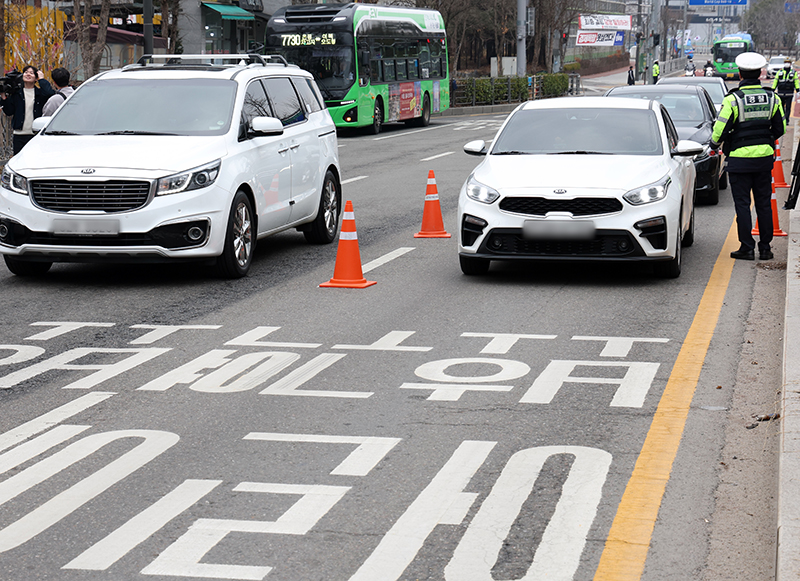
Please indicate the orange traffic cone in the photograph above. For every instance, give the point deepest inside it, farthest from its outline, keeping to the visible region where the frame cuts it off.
(777, 168)
(432, 225)
(347, 272)
(776, 228)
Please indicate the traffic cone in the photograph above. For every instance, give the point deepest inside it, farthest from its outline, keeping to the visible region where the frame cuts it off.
(432, 225)
(776, 227)
(777, 168)
(347, 272)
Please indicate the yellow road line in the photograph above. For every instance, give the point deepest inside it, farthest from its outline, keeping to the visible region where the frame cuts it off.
(628, 540)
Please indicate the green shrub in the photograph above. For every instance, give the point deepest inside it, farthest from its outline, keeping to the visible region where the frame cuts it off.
(572, 67)
(555, 85)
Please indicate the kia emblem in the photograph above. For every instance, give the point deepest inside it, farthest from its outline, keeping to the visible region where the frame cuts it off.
(559, 191)
(88, 170)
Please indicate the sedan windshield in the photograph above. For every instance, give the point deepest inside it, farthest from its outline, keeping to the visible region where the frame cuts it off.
(580, 131)
(684, 108)
(147, 107)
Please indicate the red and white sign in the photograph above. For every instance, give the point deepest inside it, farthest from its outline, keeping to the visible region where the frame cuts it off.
(605, 21)
(591, 38)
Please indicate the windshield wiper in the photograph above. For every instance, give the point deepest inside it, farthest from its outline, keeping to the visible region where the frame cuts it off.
(580, 152)
(131, 132)
(60, 133)
(510, 152)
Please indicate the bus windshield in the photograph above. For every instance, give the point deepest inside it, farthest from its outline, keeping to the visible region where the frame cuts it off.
(727, 53)
(332, 66)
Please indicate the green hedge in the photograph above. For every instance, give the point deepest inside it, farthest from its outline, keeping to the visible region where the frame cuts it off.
(555, 85)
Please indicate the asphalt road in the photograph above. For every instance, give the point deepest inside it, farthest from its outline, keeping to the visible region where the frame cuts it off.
(159, 422)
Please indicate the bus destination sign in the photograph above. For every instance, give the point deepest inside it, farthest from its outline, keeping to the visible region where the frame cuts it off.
(308, 39)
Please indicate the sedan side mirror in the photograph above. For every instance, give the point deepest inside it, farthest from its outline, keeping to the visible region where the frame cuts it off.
(266, 126)
(40, 123)
(475, 147)
(687, 148)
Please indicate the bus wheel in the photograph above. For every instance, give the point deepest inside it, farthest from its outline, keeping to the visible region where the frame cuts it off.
(425, 119)
(377, 120)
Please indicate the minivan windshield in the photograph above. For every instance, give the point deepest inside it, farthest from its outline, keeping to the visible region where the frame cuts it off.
(147, 107)
(580, 130)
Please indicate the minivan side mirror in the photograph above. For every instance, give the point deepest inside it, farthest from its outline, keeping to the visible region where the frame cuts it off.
(261, 126)
(40, 123)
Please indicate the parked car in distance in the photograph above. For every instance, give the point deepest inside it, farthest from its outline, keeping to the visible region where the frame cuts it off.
(714, 86)
(595, 178)
(177, 157)
(693, 113)
(774, 65)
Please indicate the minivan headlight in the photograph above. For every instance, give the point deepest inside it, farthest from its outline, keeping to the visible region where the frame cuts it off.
(193, 179)
(480, 192)
(14, 182)
(648, 194)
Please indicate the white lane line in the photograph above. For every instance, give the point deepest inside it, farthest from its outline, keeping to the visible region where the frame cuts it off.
(51, 418)
(355, 179)
(385, 258)
(438, 156)
(404, 133)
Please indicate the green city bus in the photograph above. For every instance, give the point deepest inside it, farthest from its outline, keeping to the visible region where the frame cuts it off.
(725, 51)
(374, 64)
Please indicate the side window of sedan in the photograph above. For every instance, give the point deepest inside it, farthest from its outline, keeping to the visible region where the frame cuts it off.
(255, 104)
(285, 100)
(672, 134)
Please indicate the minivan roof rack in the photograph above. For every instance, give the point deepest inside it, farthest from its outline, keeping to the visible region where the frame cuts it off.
(178, 59)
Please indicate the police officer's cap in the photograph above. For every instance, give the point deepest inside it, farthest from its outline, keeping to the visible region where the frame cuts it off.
(750, 61)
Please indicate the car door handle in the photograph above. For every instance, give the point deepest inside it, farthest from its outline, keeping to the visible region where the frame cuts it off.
(295, 146)
(283, 150)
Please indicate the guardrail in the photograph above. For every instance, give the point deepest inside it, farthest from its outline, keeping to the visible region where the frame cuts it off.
(471, 92)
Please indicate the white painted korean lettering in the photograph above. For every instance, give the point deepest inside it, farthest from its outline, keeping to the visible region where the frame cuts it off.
(501, 343)
(161, 331)
(22, 353)
(618, 346)
(253, 339)
(61, 328)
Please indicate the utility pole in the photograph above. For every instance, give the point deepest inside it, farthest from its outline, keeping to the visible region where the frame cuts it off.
(639, 35)
(521, 32)
(147, 17)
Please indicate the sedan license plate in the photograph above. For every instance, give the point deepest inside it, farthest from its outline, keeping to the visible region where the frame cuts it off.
(558, 229)
(74, 226)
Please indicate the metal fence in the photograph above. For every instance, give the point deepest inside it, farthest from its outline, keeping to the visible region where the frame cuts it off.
(473, 91)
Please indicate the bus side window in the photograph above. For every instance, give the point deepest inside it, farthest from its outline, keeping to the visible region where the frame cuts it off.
(363, 63)
(413, 68)
(400, 69)
(388, 70)
(435, 59)
(375, 71)
(425, 60)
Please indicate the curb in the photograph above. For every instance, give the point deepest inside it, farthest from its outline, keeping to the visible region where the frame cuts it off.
(477, 110)
(787, 563)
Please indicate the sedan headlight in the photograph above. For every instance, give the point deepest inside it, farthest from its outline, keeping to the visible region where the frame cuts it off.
(193, 179)
(14, 182)
(480, 192)
(648, 194)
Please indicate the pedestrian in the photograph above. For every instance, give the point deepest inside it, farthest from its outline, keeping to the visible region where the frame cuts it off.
(749, 123)
(785, 84)
(631, 76)
(60, 78)
(655, 71)
(25, 104)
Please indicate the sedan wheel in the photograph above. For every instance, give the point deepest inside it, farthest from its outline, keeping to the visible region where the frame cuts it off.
(22, 267)
(234, 262)
(671, 268)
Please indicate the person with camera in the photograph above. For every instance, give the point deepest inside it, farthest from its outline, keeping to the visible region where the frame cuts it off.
(25, 103)
(60, 78)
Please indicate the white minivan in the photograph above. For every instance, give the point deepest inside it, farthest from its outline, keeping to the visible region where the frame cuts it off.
(177, 157)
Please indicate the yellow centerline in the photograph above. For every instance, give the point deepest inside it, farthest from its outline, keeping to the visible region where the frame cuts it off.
(628, 540)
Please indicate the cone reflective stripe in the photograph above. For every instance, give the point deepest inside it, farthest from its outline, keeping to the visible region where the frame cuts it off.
(776, 228)
(347, 272)
(432, 225)
(777, 168)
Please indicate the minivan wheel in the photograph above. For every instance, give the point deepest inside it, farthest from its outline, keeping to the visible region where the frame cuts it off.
(324, 227)
(377, 119)
(22, 267)
(237, 255)
(473, 266)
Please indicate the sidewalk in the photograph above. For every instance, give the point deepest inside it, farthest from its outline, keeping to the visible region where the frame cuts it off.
(788, 534)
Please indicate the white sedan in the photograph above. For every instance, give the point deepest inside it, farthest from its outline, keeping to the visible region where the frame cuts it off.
(592, 178)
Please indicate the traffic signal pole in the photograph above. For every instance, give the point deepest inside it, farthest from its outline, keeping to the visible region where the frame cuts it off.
(521, 32)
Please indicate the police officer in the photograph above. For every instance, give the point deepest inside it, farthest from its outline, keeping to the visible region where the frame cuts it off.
(785, 84)
(655, 71)
(750, 121)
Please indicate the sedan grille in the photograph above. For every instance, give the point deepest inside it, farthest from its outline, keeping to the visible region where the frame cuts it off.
(576, 206)
(100, 196)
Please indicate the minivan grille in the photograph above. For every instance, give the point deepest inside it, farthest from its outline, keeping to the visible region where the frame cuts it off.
(576, 206)
(103, 196)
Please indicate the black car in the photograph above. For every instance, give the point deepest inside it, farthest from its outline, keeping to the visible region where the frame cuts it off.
(693, 113)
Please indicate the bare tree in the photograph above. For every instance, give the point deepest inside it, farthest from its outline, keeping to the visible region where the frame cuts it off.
(91, 51)
(170, 10)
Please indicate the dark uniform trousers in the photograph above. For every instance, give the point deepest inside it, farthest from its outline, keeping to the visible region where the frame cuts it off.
(787, 106)
(761, 185)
